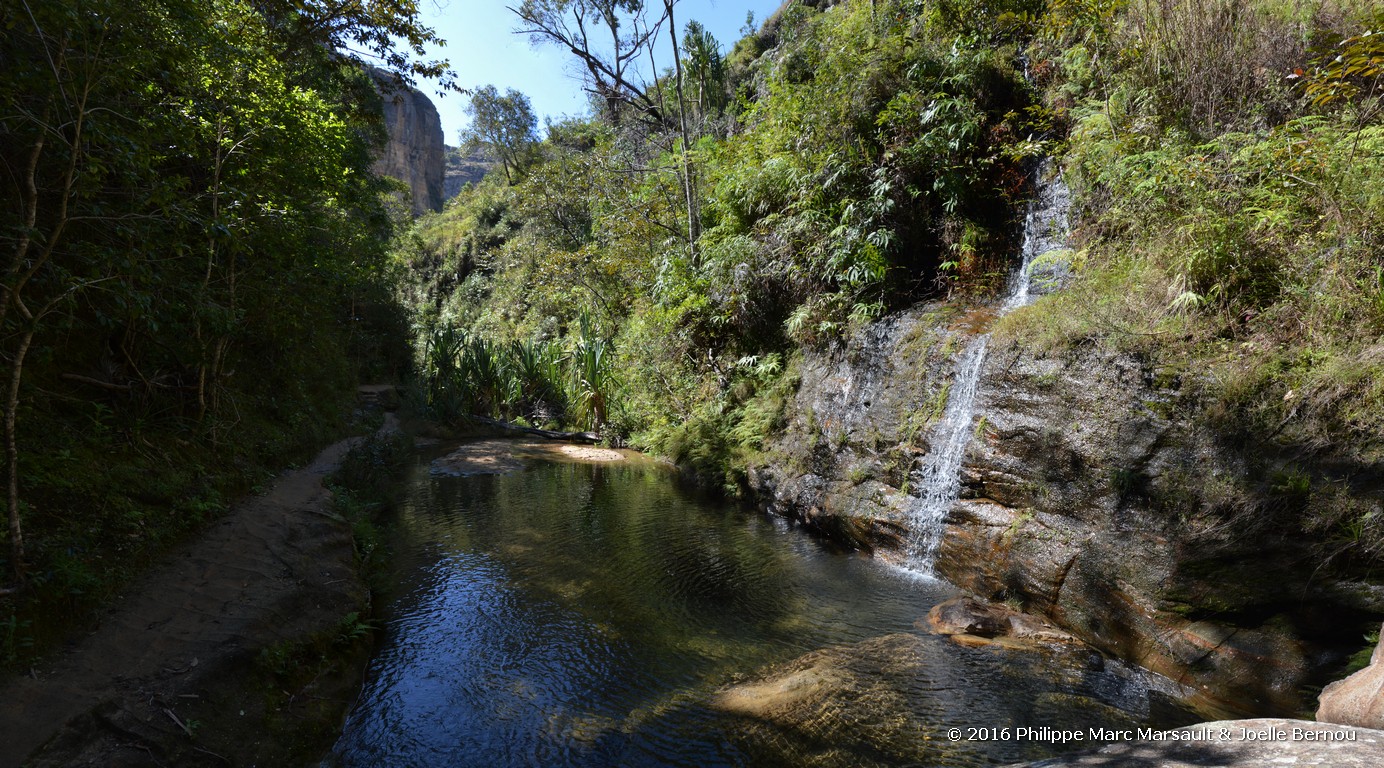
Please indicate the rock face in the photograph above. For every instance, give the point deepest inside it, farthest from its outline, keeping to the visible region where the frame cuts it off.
(1241, 743)
(1090, 494)
(857, 426)
(1358, 699)
(414, 153)
(464, 168)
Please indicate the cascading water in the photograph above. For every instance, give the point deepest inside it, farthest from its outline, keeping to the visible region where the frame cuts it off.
(938, 478)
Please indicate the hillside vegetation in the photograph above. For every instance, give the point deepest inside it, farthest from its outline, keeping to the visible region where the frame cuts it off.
(874, 156)
(1229, 159)
(857, 157)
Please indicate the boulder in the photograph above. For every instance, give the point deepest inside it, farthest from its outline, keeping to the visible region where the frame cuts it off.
(965, 616)
(1259, 743)
(1358, 699)
(968, 616)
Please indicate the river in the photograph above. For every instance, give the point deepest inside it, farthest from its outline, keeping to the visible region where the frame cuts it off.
(585, 614)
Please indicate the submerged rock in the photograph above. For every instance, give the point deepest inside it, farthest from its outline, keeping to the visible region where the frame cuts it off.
(879, 702)
(485, 457)
(847, 705)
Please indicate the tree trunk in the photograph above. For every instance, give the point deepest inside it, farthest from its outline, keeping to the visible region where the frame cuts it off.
(12, 455)
(688, 183)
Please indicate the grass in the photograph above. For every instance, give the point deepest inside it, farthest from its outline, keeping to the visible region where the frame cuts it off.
(362, 489)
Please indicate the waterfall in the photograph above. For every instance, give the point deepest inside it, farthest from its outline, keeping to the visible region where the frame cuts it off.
(938, 477)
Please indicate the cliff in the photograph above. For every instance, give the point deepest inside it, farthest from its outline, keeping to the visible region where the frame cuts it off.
(1092, 493)
(414, 153)
(465, 167)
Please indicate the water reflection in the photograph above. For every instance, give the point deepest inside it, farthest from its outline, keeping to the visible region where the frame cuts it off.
(585, 615)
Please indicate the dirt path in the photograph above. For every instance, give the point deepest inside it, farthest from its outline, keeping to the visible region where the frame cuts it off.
(180, 671)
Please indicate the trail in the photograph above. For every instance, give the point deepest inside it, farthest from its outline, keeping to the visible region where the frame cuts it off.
(164, 679)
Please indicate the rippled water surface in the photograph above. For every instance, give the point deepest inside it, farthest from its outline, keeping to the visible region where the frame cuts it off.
(585, 615)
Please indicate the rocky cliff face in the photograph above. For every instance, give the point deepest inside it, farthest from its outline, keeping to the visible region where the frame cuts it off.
(1090, 493)
(465, 167)
(415, 152)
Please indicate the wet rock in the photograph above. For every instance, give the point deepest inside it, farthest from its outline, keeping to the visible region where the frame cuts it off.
(964, 616)
(1259, 743)
(847, 705)
(975, 624)
(1092, 494)
(876, 702)
(1358, 699)
(780, 695)
(856, 428)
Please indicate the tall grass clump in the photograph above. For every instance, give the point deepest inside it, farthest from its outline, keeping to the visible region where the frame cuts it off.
(534, 381)
(1228, 167)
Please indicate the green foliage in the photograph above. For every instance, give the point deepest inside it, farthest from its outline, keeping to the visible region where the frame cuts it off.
(868, 146)
(878, 144)
(1350, 73)
(197, 270)
(531, 380)
(503, 124)
(706, 72)
(1361, 658)
(593, 376)
(464, 374)
(1228, 239)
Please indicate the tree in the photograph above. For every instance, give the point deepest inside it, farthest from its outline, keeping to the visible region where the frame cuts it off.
(707, 67)
(689, 184)
(503, 124)
(184, 192)
(576, 25)
(57, 116)
(572, 23)
(382, 33)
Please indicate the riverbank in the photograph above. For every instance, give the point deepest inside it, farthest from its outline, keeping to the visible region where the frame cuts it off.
(202, 661)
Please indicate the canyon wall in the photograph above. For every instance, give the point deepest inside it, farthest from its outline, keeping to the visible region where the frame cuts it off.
(415, 152)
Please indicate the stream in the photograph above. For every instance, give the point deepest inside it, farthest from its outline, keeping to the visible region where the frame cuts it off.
(585, 614)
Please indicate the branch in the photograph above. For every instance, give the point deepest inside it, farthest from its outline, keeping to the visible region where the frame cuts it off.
(97, 382)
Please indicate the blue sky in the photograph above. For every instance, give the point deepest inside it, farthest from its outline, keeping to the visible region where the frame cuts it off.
(484, 51)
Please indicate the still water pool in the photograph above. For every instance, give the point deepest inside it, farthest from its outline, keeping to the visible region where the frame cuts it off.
(575, 614)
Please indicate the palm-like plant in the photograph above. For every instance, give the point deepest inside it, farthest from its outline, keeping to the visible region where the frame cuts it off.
(441, 355)
(483, 377)
(536, 376)
(592, 375)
